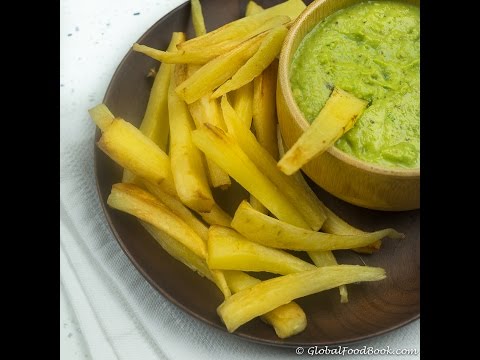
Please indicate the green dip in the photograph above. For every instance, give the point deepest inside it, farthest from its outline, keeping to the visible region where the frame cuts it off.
(371, 50)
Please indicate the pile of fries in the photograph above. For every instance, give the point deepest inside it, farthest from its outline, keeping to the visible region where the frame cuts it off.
(210, 118)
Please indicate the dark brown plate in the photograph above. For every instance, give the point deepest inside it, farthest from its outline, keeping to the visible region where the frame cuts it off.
(374, 308)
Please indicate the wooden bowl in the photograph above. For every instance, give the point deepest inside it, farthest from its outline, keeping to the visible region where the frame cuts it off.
(344, 176)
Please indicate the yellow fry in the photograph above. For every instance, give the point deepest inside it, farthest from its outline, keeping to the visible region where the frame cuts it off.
(319, 258)
(243, 104)
(339, 114)
(187, 166)
(183, 254)
(287, 320)
(204, 110)
(155, 121)
(326, 258)
(226, 153)
(178, 250)
(197, 18)
(129, 148)
(228, 250)
(265, 110)
(177, 207)
(267, 52)
(182, 57)
(257, 205)
(274, 233)
(218, 178)
(129, 177)
(216, 216)
(270, 294)
(199, 55)
(306, 203)
(244, 27)
(101, 116)
(218, 70)
(333, 223)
(252, 8)
(336, 225)
(133, 200)
(238, 280)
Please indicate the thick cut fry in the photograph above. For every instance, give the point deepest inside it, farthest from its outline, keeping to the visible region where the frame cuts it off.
(208, 110)
(270, 294)
(143, 205)
(187, 166)
(267, 52)
(225, 152)
(252, 8)
(319, 258)
(218, 279)
(198, 55)
(333, 224)
(155, 121)
(218, 70)
(182, 57)
(180, 252)
(306, 203)
(217, 216)
(128, 177)
(281, 146)
(244, 27)
(228, 250)
(265, 110)
(218, 177)
(336, 225)
(274, 233)
(239, 280)
(197, 18)
(326, 258)
(257, 205)
(287, 320)
(177, 207)
(339, 114)
(129, 148)
(243, 104)
(101, 116)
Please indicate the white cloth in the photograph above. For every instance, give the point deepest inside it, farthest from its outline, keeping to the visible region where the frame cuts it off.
(120, 315)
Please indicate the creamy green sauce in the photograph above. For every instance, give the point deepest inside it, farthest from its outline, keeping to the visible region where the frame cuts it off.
(372, 50)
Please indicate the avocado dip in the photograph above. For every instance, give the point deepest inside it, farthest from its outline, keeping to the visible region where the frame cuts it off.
(372, 50)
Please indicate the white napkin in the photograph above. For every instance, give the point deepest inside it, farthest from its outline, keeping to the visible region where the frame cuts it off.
(120, 315)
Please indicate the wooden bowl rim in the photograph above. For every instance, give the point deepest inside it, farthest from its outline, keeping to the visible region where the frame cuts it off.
(283, 75)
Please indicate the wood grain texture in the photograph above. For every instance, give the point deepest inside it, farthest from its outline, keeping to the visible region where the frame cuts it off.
(353, 180)
(374, 308)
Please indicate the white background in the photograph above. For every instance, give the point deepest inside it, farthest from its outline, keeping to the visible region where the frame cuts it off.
(107, 310)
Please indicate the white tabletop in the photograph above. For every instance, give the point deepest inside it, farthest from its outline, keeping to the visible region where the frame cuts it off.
(107, 310)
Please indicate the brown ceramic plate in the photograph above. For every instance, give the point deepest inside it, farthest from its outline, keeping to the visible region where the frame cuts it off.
(374, 308)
